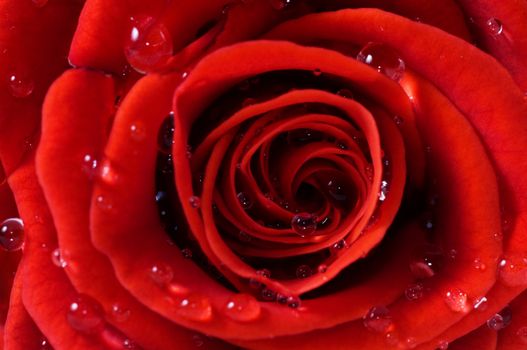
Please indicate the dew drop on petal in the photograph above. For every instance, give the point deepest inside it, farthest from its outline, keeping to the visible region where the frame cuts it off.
(119, 313)
(242, 308)
(103, 203)
(479, 265)
(161, 273)
(521, 333)
(137, 131)
(391, 339)
(494, 26)
(12, 234)
(20, 85)
(149, 44)
(456, 300)
(317, 72)
(382, 58)
(513, 270)
(187, 253)
(44, 344)
(378, 319)
(500, 320)
(322, 268)
(280, 4)
(421, 269)
(480, 304)
(293, 302)
(85, 314)
(304, 224)
(346, 93)
(442, 345)
(414, 291)
(194, 201)
(303, 271)
(411, 342)
(268, 294)
(89, 165)
(339, 245)
(245, 200)
(58, 259)
(383, 191)
(195, 307)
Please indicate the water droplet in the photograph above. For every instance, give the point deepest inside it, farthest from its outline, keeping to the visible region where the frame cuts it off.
(398, 120)
(280, 4)
(479, 265)
(103, 203)
(194, 201)
(165, 137)
(89, 165)
(85, 314)
(384, 59)
(187, 253)
(317, 72)
(456, 300)
(414, 291)
(442, 345)
(242, 308)
(268, 294)
(378, 319)
(513, 270)
(498, 236)
(293, 302)
(336, 191)
(383, 191)
(322, 268)
(245, 200)
(494, 26)
(391, 339)
(346, 93)
(137, 131)
(12, 234)
(421, 269)
(20, 85)
(500, 320)
(339, 245)
(116, 340)
(304, 224)
(40, 3)
(521, 333)
(161, 273)
(120, 313)
(411, 342)
(195, 307)
(303, 271)
(44, 344)
(58, 259)
(107, 173)
(480, 304)
(149, 44)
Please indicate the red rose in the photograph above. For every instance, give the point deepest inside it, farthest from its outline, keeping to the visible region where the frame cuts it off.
(263, 174)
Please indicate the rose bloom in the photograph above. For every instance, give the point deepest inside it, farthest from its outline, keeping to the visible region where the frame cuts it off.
(263, 174)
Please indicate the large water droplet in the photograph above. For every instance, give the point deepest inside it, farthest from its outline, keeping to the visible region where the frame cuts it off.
(513, 269)
(161, 273)
(20, 85)
(494, 26)
(12, 234)
(304, 224)
(421, 269)
(242, 308)
(456, 300)
(85, 314)
(378, 319)
(500, 320)
(382, 58)
(149, 44)
(195, 307)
